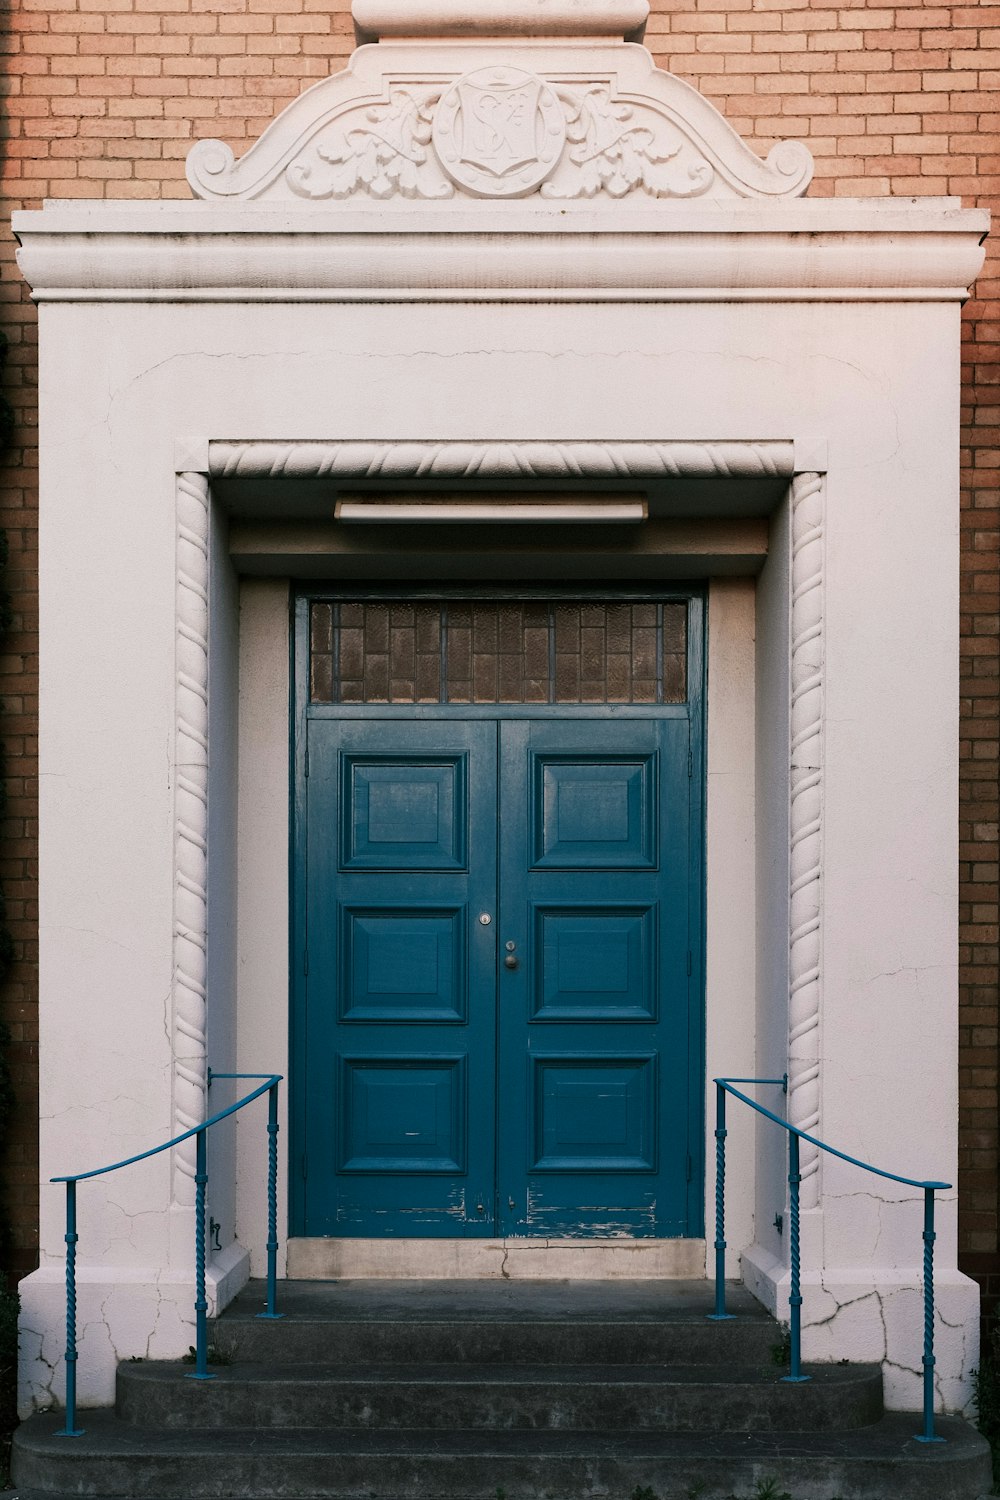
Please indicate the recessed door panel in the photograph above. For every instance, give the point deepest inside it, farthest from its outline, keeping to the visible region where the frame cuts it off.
(592, 963)
(403, 1114)
(403, 964)
(593, 812)
(404, 812)
(593, 1114)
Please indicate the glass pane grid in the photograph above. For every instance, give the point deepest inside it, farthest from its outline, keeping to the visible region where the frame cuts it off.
(498, 651)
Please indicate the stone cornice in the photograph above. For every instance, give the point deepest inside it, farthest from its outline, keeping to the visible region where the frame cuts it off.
(833, 249)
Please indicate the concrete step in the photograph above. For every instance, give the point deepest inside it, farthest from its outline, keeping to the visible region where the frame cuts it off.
(502, 1397)
(496, 1322)
(116, 1459)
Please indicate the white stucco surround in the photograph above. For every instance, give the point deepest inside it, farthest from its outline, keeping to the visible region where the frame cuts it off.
(705, 324)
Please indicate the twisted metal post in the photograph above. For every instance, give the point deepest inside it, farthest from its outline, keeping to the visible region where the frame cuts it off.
(795, 1375)
(272, 1202)
(928, 1435)
(720, 1314)
(201, 1370)
(71, 1429)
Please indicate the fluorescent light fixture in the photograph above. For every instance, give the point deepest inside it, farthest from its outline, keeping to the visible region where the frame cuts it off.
(515, 510)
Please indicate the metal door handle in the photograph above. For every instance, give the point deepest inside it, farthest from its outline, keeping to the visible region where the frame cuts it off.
(510, 961)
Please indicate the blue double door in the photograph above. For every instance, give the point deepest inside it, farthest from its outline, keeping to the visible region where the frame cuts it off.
(499, 1031)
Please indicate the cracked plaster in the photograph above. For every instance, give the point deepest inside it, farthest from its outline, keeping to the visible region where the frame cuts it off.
(876, 1316)
(134, 1313)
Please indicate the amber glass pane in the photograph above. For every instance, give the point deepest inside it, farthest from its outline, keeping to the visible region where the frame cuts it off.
(498, 651)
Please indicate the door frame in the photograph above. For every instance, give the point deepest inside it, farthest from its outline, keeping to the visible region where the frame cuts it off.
(693, 709)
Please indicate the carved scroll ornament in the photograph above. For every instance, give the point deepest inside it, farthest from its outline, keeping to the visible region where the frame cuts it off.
(500, 131)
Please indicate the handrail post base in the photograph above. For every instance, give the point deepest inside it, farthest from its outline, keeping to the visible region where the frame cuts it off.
(272, 1317)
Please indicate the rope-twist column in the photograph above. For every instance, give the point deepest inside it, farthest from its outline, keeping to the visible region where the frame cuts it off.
(805, 820)
(190, 824)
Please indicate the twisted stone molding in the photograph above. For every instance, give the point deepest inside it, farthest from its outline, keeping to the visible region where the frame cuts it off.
(466, 460)
(190, 825)
(805, 821)
(584, 459)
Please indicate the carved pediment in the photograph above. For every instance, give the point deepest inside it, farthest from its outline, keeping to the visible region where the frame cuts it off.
(498, 120)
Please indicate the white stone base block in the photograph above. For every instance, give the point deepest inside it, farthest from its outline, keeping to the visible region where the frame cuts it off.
(122, 1313)
(877, 1316)
(537, 1260)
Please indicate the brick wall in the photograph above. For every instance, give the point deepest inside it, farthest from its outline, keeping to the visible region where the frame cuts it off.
(104, 98)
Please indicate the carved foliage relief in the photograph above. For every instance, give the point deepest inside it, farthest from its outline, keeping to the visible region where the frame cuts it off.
(381, 150)
(616, 148)
(501, 132)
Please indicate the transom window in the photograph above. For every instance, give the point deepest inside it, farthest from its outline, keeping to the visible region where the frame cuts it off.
(498, 651)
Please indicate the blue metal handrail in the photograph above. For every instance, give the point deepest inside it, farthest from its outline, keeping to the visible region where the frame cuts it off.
(269, 1086)
(724, 1086)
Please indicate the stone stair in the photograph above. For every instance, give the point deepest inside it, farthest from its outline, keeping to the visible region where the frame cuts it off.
(497, 1390)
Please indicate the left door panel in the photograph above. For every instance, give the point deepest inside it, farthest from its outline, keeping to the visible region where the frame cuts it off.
(400, 978)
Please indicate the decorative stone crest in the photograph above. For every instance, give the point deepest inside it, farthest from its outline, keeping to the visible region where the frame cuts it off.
(499, 132)
(498, 119)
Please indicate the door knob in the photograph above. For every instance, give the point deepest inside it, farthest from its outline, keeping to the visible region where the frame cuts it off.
(510, 961)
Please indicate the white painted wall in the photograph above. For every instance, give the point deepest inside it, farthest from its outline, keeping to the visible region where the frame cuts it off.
(223, 692)
(772, 627)
(120, 382)
(731, 914)
(263, 948)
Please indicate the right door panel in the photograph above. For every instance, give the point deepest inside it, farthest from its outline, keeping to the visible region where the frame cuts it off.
(594, 1113)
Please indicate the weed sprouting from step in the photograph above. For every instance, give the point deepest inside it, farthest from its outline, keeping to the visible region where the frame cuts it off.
(696, 1490)
(501, 1493)
(781, 1352)
(767, 1489)
(216, 1356)
(644, 1492)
